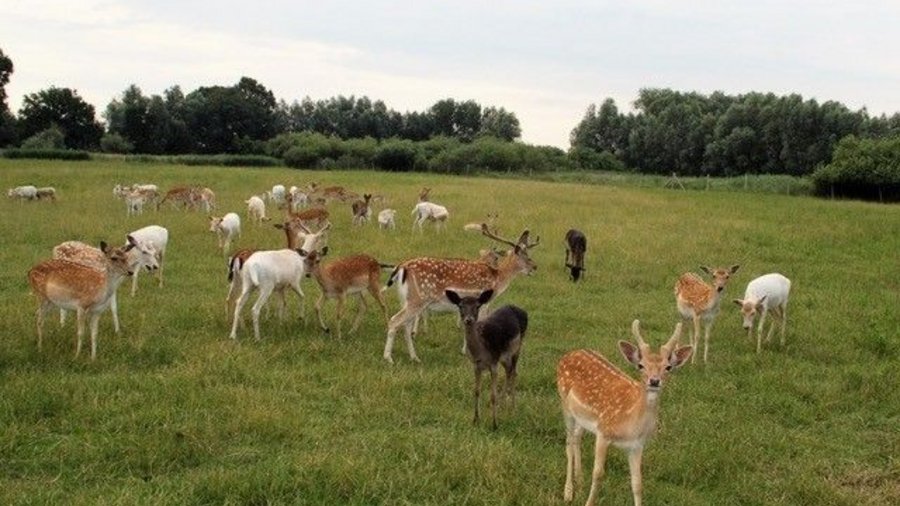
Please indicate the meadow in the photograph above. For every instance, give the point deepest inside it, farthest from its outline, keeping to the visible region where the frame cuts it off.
(174, 412)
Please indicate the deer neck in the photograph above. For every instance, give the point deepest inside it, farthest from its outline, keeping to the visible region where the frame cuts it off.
(713, 300)
(114, 278)
(506, 271)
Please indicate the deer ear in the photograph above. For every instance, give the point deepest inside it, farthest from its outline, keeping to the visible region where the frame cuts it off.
(739, 302)
(103, 246)
(279, 226)
(680, 356)
(485, 296)
(734, 268)
(130, 239)
(759, 303)
(452, 296)
(705, 269)
(630, 352)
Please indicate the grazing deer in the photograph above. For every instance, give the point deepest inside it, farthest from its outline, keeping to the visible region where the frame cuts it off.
(422, 283)
(183, 195)
(316, 216)
(361, 210)
(342, 277)
(576, 246)
(73, 286)
(497, 338)
(423, 194)
(491, 223)
(699, 301)
(598, 397)
(767, 293)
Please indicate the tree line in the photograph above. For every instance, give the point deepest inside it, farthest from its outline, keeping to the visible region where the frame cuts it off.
(721, 135)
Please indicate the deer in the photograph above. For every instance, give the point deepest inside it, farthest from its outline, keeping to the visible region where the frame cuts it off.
(342, 277)
(598, 397)
(179, 195)
(73, 286)
(495, 339)
(423, 194)
(312, 216)
(765, 294)
(361, 209)
(576, 246)
(698, 301)
(421, 283)
(491, 223)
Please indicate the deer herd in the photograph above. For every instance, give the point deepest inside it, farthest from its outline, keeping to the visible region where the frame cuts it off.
(595, 395)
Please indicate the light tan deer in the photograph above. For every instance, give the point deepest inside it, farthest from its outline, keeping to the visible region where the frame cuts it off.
(342, 277)
(421, 283)
(598, 397)
(73, 286)
(699, 301)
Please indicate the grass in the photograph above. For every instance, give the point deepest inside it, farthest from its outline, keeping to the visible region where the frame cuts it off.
(173, 412)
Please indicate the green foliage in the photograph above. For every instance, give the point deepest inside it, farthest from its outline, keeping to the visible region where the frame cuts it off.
(174, 412)
(46, 154)
(307, 150)
(862, 168)
(722, 135)
(115, 143)
(397, 155)
(588, 159)
(64, 108)
(7, 121)
(50, 139)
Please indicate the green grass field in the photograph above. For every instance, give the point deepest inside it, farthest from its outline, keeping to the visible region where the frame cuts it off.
(173, 412)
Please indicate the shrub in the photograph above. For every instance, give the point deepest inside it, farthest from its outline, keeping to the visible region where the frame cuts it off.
(306, 150)
(228, 160)
(862, 168)
(49, 139)
(115, 143)
(397, 155)
(48, 154)
(589, 159)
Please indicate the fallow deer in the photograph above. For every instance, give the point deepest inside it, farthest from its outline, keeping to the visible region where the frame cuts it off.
(361, 209)
(492, 340)
(183, 195)
(765, 294)
(423, 194)
(598, 397)
(73, 286)
(698, 301)
(491, 222)
(342, 277)
(576, 246)
(421, 283)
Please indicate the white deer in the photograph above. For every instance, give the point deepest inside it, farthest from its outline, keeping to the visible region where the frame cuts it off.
(598, 397)
(765, 294)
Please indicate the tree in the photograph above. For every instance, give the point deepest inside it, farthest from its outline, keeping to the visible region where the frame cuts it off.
(500, 124)
(63, 107)
(7, 121)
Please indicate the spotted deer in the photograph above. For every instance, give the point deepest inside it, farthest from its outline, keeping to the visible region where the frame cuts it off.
(81, 288)
(699, 301)
(421, 284)
(342, 277)
(598, 397)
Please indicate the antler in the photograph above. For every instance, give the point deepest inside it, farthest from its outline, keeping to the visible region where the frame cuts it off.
(487, 233)
(676, 335)
(636, 331)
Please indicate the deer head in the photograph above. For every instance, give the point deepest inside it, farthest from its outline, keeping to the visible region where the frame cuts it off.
(720, 276)
(654, 367)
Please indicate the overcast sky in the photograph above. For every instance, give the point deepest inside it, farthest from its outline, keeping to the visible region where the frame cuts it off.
(544, 61)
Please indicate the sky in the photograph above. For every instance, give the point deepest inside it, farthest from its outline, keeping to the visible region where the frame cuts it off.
(544, 61)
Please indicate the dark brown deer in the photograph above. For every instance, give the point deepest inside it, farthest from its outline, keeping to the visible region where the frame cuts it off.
(495, 339)
(576, 246)
(361, 209)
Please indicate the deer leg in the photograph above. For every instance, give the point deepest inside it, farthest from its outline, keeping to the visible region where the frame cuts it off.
(319, 303)
(238, 306)
(511, 376)
(634, 466)
(62, 317)
(264, 293)
(477, 392)
(339, 312)
(783, 321)
(79, 330)
(494, 396)
(706, 332)
(695, 337)
(571, 448)
(599, 462)
(43, 308)
(95, 323)
(114, 309)
(579, 432)
(363, 306)
(159, 272)
(376, 293)
(405, 317)
(134, 281)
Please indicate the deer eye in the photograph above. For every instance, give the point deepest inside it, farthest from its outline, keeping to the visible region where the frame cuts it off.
(640, 366)
(668, 367)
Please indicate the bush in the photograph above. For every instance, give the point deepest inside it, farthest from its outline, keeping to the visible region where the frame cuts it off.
(47, 154)
(589, 159)
(228, 160)
(306, 150)
(115, 143)
(868, 169)
(52, 138)
(397, 155)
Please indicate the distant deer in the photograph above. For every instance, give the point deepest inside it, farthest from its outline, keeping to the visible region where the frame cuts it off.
(576, 246)
(497, 338)
(421, 283)
(699, 301)
(598, 397)
(423, 194)
(361, 209)
(491, 222)
(346, 276)
(765, 294)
